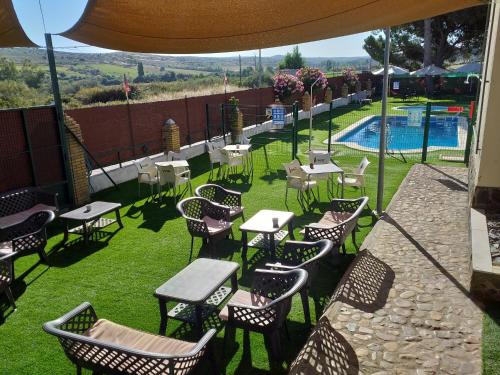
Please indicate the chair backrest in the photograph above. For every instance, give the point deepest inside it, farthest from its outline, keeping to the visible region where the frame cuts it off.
(210, 146)
(362, 165)
(215, 155)
(319, 157)
(145, 165)
(302, 253)
(166, 174)
(35, 223)
(293, 169)
(112, 358)
(245, 140)
(171, 156)
(192, 208)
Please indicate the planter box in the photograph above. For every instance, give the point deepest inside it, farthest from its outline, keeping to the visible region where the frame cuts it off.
(485, 281)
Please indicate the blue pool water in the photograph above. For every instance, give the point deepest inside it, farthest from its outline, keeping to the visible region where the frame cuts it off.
(422, 108)
(443, 132)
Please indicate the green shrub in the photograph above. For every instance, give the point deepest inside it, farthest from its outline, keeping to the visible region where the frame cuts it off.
(91, 95)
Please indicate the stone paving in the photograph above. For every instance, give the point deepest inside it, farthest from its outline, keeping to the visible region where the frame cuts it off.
(403, 307)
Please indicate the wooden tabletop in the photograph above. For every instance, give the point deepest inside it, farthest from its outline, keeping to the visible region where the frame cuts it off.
(174, 163)
(97, 209)
(322, 168)
(262, 221)
(198, 281)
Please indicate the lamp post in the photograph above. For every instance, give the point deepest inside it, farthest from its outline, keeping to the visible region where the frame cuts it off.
(310, 112)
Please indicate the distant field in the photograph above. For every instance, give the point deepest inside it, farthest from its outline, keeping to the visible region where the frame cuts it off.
(116, 70)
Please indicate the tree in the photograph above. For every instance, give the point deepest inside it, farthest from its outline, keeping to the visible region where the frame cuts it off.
(292, 60)
(31, 75)
(140, 69)
(328, 65)
(453, 36)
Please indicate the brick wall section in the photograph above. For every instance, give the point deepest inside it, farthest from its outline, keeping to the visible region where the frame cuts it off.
(170, 138)
(77, 162)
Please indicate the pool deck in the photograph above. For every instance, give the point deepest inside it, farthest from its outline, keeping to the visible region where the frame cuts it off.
(403, 306)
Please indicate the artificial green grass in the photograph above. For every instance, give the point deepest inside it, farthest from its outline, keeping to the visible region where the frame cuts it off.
(119, 272)
(491, 339)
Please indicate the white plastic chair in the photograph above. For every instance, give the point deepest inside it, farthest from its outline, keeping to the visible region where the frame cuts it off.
(230, 160)
(297, 179)
(356, 178)
(146, 173)
(215, 156)
(171, 156)
(173, 177)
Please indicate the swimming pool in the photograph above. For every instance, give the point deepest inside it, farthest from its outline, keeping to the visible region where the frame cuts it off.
(421, 108)
(445, 132)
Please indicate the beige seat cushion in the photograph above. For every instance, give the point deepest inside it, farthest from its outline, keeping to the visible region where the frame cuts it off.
(216, 226)
(243, 297)
(113, 333)
(19, 217)
(333, 218)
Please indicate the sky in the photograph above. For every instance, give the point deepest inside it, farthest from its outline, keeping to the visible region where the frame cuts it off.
(60, 15)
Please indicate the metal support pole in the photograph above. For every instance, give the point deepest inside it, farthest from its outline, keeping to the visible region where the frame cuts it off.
(383, 124)
(330, 118)
(60, 115)
(222, 123)
(427, 124)
(207, 115)
(295, 114)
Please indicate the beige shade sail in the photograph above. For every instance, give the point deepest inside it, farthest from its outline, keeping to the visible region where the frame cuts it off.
(11, 32)
(197, 26)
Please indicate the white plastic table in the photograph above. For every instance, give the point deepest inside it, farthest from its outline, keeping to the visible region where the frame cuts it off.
(329, 168)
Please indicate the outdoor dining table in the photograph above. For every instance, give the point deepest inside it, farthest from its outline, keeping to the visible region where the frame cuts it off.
(199, 290)
(329, 168)
(269, 233)
(174, 163)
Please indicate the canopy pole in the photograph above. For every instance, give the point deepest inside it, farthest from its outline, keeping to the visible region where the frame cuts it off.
(59, 115)
(383, 123)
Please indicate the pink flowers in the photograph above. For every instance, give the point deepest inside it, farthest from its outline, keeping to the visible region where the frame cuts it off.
(350, 77)
(286, 85)
(309, 75)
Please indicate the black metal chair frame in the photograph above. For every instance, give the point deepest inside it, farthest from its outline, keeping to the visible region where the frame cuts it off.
(338, 233)
(224, 197)
(193, 209)
(89, 353)
(306, 256)
(18, 200)
(6, 278)
(279, 286)
(29, 236)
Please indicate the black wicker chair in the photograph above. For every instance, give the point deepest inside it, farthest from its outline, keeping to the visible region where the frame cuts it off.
(109, 348)
(224, 197)
(264, 309)
(304, 255)
(337, 223)
(6, 278)
(17, 205)
(207, 220)
(27, 238)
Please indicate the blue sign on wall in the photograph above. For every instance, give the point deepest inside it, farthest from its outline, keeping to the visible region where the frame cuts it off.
(278, 114)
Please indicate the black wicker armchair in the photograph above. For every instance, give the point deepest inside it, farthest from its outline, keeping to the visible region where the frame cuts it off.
(304, 255)
(207, 220)
(109, 348)
(17, 205)
(337, 223)
(224, 197)
(27, 237)
(264, 309)
(6, 278)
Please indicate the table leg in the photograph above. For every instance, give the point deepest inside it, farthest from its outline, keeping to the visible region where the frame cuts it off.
(198, 319)
(272, 246)
(118, 218)
(290, 230)
(244, 246)
(234, 282)
(163, 316)
(66, 231)
(85, 233)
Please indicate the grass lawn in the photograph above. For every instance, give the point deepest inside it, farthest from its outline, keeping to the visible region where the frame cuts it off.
(119, 272)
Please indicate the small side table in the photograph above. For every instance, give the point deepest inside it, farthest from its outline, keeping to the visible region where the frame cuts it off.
(90, 217)
(268, 234)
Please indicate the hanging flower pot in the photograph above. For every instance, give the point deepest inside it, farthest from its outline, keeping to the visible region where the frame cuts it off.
(328, 95)
(344, 90)
(306, 102)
